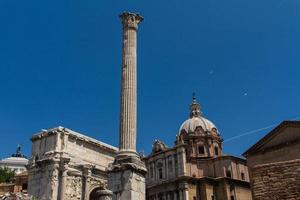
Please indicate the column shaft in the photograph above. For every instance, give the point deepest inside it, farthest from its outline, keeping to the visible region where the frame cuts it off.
(63, 185)
(128, 111)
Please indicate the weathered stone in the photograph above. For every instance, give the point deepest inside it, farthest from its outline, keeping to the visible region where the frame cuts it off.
(274, 162)
(127, 174)
(66, 165)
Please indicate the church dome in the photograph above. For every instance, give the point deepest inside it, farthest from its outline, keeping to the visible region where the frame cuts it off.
(196, 120)
(191, 124)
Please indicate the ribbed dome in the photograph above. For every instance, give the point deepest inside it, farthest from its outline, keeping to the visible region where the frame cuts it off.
(191, 124)
(196, 120)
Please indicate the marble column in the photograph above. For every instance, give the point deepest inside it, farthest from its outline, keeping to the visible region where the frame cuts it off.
(63, 182)
(87, 172)
(175, 195)
(127, 140)
(55, 179)
(180, 195)
(168, 196)
(185, 191)
(126, 178)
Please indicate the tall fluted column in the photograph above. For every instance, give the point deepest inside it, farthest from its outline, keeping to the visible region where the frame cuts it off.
(127, 143)
(126, 177)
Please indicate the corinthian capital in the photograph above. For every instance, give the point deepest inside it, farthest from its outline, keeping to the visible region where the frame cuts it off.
(131, 20)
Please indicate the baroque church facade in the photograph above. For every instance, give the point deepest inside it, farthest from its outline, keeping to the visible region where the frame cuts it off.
(196, 168)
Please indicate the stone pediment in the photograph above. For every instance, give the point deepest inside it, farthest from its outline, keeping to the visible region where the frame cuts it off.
(284, 134)
(158, 146)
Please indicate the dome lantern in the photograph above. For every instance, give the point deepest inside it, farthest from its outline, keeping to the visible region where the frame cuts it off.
(195, 108)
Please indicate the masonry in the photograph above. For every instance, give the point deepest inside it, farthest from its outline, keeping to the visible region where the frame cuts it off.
(279, 180)
(67, 165)
(274, 164)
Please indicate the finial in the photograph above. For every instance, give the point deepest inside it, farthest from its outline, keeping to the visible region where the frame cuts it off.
(194, 97)
(195, 107)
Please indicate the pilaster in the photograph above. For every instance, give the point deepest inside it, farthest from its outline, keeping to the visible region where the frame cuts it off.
(64, 166)
(87, 173)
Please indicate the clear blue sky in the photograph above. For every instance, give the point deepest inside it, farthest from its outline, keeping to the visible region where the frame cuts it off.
(60, 65)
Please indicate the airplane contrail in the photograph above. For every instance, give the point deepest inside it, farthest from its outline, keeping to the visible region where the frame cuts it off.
(254, 131)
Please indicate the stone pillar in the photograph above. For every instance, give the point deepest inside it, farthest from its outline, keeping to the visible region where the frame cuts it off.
(181, 161)
(168, 196)
(87, 172)
(180, 195)
(63, 182)
(127, 143)
(126, 176)
(184, 191)
(185, 194)
(175, 195)
(55, 179)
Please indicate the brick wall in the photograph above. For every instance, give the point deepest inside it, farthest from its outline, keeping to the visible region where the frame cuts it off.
(276, 181)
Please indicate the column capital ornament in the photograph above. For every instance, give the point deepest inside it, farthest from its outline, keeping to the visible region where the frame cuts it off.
(131, 20)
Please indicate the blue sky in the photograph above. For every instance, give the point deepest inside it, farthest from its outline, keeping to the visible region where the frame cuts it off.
(60, 65)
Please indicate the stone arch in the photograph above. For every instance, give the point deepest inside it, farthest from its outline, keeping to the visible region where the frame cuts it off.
(93, 193)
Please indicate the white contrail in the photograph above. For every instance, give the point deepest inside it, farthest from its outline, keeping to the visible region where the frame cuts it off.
(255, 131)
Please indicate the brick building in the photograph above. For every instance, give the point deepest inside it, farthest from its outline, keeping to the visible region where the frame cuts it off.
(274, 164)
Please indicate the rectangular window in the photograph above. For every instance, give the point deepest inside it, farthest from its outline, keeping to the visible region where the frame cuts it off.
(243, 176)
(151, 171)
(216, 151)
(228, 173)
(201, 149)
(232, 197)
(160, 173)
(170, 166)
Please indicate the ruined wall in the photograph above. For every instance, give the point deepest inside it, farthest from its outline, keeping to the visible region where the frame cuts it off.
(275, 174)
(280, 180)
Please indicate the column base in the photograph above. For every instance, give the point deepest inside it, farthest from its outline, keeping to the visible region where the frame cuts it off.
(126, 178)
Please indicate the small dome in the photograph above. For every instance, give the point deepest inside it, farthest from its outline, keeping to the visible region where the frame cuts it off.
(191, 124)
(196, 120)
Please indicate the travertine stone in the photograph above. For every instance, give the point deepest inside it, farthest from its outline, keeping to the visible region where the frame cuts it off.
(66, 165)
(104, 195)
(127, 185)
